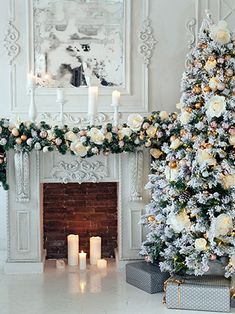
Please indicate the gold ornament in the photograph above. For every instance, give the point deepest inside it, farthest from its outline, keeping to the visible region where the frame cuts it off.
(189, 109)
(197, 89)
(194, 138)
(206, 89)
(18, 140)
(15, 132)
(151, 218)
(183, 132)
(211, 58)
(198, 105)
(227, 57)
(24, 137)
(173, 164)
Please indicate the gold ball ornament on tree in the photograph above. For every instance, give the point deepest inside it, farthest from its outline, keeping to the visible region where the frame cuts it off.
(173, 164)
(24, 137)
(207, 89)
(15, 132)
(197, 89)
(189, 109)
(198, 105)
(211, 58)
(151, 218)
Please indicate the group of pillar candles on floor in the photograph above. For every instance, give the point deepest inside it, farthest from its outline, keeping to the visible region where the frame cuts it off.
(74, 256)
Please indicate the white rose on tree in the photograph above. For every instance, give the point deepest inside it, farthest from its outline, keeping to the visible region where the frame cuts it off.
(124, 132)
(151, 131)
(176, 144)
(78, 148)
(216, 106)
(185, 117)
(96, 136)
(203, 156)
(220, 33)
(134, 121)
(200, 244)
(70, 136)
(179, 222)
(228, 181)
(164, 115)
(223, 225)
(232, 140)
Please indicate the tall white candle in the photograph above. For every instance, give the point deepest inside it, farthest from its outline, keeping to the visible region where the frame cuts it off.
(116, 98)
(95, 250)
(92, 100)
(82, 260)
(60, 95)
(102, 263)
(73, 248)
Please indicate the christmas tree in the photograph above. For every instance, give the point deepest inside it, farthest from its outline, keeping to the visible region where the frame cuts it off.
(192, 212)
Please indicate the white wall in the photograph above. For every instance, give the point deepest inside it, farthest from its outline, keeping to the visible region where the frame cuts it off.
(169, 18)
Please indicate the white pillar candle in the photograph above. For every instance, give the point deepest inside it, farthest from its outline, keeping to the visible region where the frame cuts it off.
(60, 95)
(73, 249)
(95, 250)
(102, 263)
(82, 260)
(116, 98)
(92, 100)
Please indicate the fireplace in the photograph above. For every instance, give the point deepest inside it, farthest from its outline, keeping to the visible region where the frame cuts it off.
(31, 174)
(87, 209)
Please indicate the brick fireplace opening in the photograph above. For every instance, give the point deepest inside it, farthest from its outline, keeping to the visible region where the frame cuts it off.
(87, 209)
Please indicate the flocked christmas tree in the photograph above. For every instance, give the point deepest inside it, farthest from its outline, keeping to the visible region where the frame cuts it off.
(192, 212)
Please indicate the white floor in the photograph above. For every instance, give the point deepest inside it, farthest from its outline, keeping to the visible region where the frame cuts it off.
(72, 292)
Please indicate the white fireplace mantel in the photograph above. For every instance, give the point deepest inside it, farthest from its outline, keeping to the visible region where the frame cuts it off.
(27, 172)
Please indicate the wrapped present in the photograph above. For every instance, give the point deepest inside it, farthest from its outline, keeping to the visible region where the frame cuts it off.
(204, 293)
(146, 276)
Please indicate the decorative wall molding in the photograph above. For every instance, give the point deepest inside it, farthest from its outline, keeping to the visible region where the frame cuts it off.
(136, 166)
(21, 161)
(11, 42)
(79, 171)
(147, 41)
(191, 28)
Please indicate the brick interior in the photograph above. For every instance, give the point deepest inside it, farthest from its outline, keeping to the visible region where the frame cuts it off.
(87, 209)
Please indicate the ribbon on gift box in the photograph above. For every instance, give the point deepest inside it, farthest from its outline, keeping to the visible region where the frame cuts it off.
(176, 281)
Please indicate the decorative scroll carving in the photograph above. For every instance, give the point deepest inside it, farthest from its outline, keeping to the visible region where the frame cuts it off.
(190, 26)
(147, 41)
(136, 166)
(22, 176)
(79, 171)
(10, 42)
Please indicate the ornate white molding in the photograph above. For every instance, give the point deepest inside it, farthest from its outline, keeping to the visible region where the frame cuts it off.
(191, 29)
(136, 166)
(11, 42)
(79, 171)
(147, 41)
(21, 161)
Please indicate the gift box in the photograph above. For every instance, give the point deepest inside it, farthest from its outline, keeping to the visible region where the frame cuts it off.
(204, 293)
(146, 276)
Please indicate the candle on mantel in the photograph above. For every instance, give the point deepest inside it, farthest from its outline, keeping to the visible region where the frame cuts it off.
(92, 100)
(60, 95)
(82, 260)
(116, 98)
(101, 263)
(95, 250)
(73, 249)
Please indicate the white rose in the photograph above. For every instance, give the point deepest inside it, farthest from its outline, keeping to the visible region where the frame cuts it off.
(45, 149)
(232, 140)
(163, 115)
(96, 136)
(78, 148)
(151, 131)
(70, 136)
(203, 156)
(185, 117)
(175, 144)
(156, 153)
(220, 33)
(3, 141)
(223, 225)
(210, 65)
(200, 244)
(216, 106)
(134, 121)
(109, 136)
(37, 146)
(229, 181)
(124, 132)
(50, 135)
(213, 83)
(172, 174)
(179, 222)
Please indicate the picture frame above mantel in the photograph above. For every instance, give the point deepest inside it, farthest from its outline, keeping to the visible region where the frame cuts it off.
(129, 76)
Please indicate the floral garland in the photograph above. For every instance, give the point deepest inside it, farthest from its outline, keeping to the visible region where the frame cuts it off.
(151, 131)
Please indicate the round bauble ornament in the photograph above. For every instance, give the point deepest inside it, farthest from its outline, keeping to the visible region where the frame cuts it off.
(189, 109)
(221, 86)
(206, 89)
(198, 105)
(183, 132)
(24, 137)
(194, 138)
(1, 161)
(147, 259)
(211, 58)
(227, 57)
(151, 218)
(229, 72)
(15, 132)
(197, 89)
(18, 140)
(213, 257)
(173, 164)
